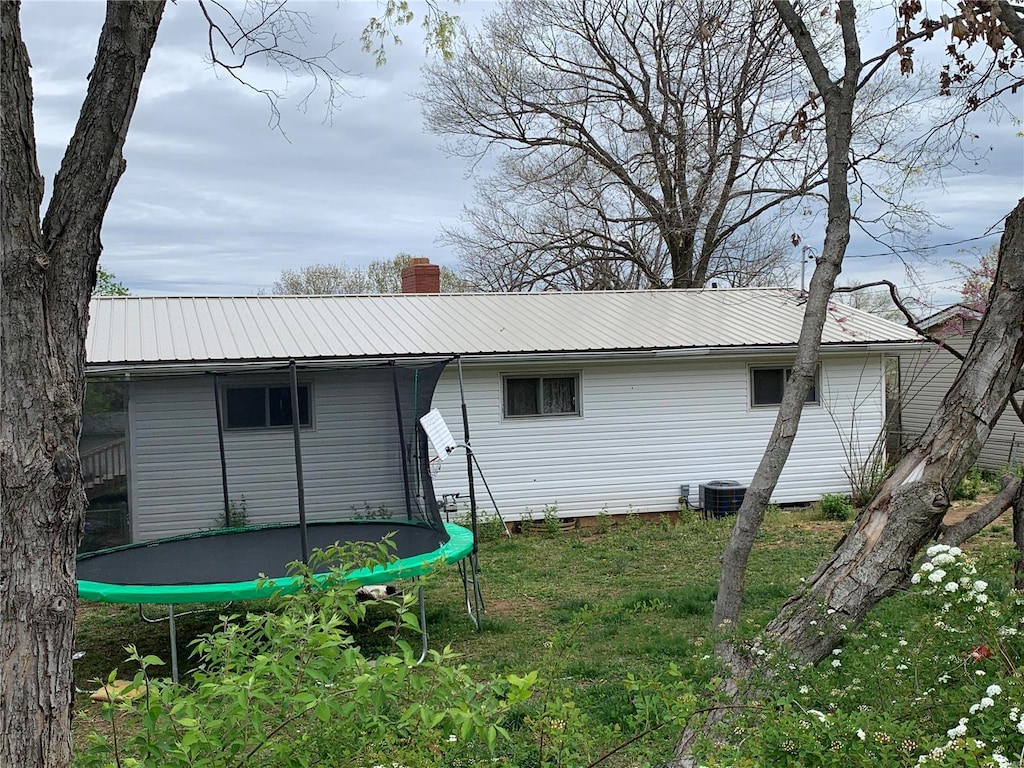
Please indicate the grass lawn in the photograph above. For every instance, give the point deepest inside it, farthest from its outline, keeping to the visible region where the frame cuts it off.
(649, 586)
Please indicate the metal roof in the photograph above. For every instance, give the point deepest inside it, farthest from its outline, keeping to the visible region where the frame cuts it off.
(155, 331)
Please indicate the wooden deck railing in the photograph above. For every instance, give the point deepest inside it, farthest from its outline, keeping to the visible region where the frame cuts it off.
(105, 463)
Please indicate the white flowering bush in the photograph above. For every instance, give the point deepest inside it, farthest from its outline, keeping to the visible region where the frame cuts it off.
(931, 679)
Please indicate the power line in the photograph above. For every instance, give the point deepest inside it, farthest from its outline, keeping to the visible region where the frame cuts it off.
(894, 251)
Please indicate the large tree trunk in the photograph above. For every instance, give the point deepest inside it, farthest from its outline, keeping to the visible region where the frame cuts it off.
(46, 278)
(874, 558)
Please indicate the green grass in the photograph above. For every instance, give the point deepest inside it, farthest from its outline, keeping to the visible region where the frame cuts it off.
(630, 600)
(648, 589)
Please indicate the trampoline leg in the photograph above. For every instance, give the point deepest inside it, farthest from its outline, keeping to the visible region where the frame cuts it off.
(172, 631)
(423, 624)
(470, 573)
(478, 597)
(174, 644)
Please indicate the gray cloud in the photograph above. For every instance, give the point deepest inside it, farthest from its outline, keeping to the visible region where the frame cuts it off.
(214, 201)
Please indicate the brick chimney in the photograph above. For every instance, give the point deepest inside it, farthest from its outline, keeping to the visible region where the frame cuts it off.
(421, 276)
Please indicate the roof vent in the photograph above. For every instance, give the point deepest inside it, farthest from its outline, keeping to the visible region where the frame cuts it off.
(719, 498)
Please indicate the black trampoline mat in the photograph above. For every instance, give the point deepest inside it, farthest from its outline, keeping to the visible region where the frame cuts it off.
(242, 555)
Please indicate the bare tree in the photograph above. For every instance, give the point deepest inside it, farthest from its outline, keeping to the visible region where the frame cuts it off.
(48, 272)
(643, 143)
(631, 129)
(377, 277)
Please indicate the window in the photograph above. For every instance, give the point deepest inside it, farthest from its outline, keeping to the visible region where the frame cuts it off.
(542, 395)
(264, 407)
(767, 386)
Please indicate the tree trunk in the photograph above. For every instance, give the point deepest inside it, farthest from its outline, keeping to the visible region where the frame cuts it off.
(839, 98)
(46, 278)
(873, 560)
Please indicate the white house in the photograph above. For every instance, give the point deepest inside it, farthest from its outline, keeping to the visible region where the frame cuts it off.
(927, 373)
(577, 402)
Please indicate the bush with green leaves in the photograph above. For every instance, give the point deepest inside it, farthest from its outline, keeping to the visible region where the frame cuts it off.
(969, 486)
(941, 689)
(835, 506)
(290, 687)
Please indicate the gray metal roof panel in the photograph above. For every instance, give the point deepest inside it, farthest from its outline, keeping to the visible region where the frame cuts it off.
(199, 329)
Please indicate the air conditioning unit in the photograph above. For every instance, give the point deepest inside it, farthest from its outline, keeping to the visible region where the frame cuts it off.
(719, 498)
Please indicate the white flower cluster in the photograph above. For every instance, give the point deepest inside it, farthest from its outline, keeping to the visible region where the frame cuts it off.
(959, 731)
(1016, 718)
(939, 574)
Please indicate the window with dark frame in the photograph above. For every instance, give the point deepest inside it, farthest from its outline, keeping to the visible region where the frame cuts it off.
(556, 395)
(768, 385)
(264, 407)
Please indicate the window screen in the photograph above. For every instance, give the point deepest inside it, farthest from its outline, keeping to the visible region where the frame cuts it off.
(264, 407)
(541, 395)
(767, 386)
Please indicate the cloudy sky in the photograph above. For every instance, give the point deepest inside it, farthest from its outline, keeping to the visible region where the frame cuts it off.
(214, 201)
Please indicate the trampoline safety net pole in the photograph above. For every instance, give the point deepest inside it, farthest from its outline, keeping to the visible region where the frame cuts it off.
(299, 484)
(469, 457)
(401, 440)
(220, 447)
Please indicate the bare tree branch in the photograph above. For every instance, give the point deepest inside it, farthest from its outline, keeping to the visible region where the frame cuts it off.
(270, 30)
(957, 533)
(631, 138)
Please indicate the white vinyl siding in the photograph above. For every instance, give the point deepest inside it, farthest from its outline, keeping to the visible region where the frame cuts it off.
(650, 426)
(176, 460)
(925, 378)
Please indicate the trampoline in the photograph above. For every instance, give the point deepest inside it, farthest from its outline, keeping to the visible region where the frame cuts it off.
(251, 562)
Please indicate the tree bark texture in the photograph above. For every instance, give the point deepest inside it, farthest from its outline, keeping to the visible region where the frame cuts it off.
(46, 278)
(874, 558)
(838, 96)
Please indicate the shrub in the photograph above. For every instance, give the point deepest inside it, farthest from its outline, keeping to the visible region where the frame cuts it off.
(932, 680)
(290, 688)
(552, 523)
(835, 506)
(490, 526)
(969, 486)
(867, 475)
